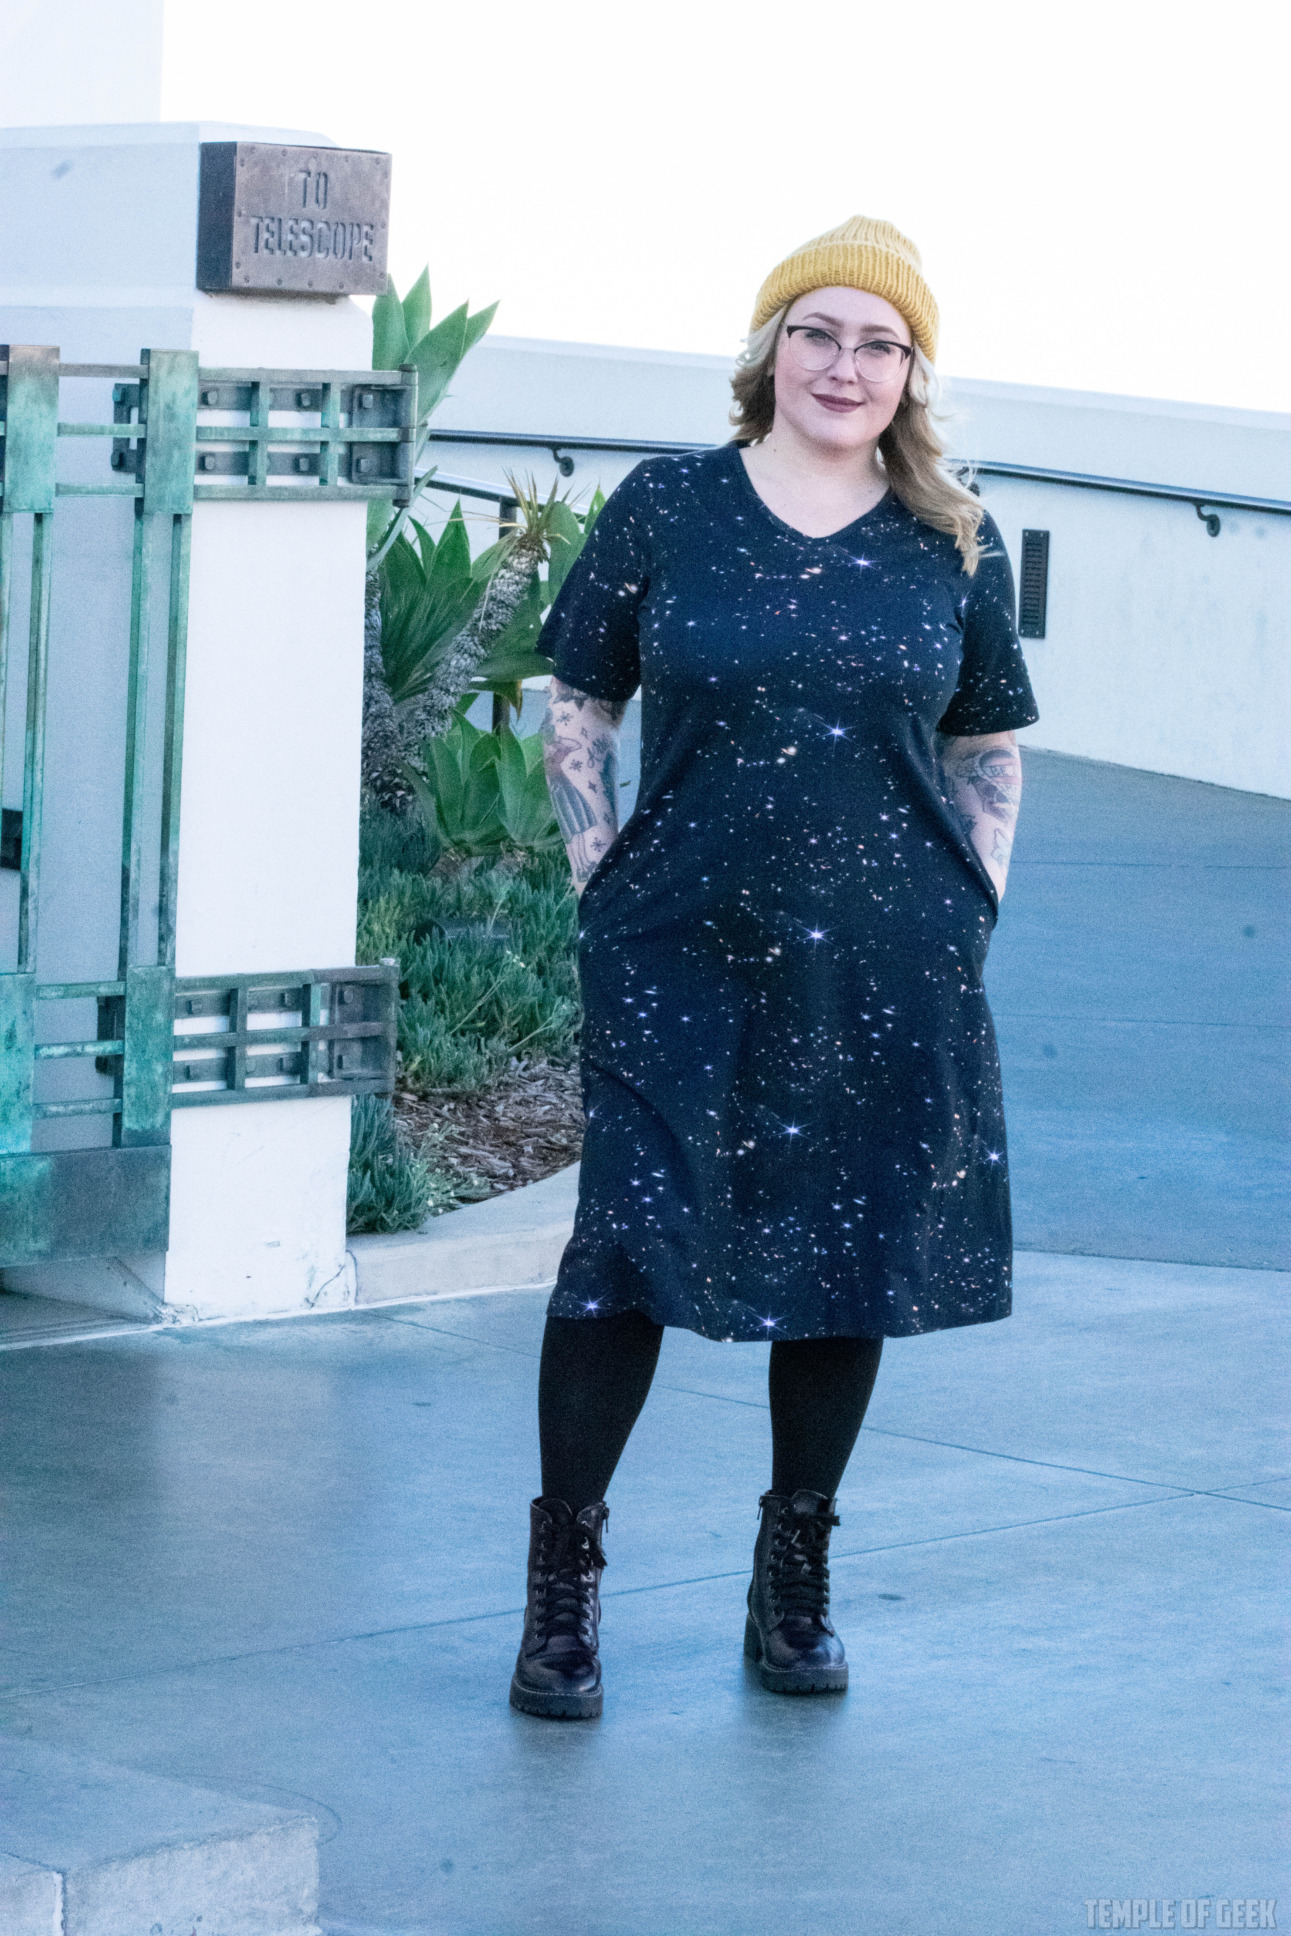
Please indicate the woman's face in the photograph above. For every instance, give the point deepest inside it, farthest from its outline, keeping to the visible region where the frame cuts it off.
(838, 406)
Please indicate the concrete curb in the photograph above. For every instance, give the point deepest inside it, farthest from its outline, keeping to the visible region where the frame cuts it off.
(31, 1899)
(511, 1243)
(95, 1850)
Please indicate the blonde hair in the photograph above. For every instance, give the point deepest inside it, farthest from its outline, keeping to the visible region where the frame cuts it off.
(911, 451)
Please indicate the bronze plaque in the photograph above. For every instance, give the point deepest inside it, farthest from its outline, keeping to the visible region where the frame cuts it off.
(292, 221)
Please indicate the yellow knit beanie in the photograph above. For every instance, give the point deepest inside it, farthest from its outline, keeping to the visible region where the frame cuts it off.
(859, 254)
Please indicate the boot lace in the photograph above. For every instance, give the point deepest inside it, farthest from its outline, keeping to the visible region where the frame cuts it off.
(566, 1581)
(798, 1574)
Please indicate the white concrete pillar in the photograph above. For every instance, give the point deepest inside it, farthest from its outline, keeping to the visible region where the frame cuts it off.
(97, 247)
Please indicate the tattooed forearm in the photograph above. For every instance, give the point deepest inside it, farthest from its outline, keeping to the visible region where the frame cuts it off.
(984, 787)
(581, 755)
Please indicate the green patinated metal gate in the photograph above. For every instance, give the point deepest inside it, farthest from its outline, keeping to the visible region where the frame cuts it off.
(162, 1043)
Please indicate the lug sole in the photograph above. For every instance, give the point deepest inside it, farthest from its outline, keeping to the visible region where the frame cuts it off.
(792, 1680)
(557, 1707)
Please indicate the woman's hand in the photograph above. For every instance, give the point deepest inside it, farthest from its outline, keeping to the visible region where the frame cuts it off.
(580, 738)
(984, 785)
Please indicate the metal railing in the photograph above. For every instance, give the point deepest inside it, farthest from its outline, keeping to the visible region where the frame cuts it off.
(1207, 504)
(173, 425)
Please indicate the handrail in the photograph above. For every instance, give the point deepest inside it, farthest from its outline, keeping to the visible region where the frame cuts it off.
(1130, 487)
(527, 439)
(1028, 473)
(467, 487)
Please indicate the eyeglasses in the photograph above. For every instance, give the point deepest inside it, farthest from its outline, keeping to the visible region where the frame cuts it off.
(878, 361)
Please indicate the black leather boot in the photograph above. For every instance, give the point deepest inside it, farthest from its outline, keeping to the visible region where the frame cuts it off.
(558, 1669)
(788, 1632)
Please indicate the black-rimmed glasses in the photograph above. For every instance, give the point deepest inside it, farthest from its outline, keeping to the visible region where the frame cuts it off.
(879, 361)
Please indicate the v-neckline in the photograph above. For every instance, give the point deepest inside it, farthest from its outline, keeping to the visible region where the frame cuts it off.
(782, 524)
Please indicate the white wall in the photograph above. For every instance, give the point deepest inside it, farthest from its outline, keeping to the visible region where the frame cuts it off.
(1165, 648)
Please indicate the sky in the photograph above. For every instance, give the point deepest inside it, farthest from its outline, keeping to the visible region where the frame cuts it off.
(1098, 190)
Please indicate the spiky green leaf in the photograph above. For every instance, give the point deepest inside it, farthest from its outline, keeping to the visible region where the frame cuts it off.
(403, 575)
(389, 333)
(416, 308)
(458, 793)
(379, 522)
(427, 596)
(566, 540)
(503, 671)
(477, 324)
(523, 801)
(436, 357)
(449, 568)
(425, 543)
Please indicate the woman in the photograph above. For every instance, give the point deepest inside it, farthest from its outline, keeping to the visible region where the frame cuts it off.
(794, 1121)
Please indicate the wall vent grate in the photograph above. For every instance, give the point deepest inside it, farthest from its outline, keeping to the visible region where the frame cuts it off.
(1033, 599)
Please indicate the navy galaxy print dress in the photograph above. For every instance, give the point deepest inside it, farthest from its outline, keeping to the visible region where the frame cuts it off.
(794, 1120)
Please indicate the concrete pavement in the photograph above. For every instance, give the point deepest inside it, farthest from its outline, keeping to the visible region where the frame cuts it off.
(1139, 983)
(284, 1562)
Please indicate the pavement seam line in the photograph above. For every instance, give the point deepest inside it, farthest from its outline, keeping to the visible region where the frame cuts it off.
(621, 1593)
(1236, 1499)
(882, 1431)
(761, 1405)
(1018, 1458)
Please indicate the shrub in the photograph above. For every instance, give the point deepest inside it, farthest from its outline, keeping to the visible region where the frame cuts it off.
(487, 955)
(394, 843)
(390, 1187)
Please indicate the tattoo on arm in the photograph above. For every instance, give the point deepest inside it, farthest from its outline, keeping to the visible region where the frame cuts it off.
(613, 709)
(610, 770)
(580, 755)
(983, 781)
(573, 815)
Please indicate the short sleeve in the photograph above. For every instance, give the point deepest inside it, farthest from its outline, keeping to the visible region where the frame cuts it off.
(994, 692)
(591, 629)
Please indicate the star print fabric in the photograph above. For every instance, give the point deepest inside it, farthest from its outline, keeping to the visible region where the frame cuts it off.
(795, 1127)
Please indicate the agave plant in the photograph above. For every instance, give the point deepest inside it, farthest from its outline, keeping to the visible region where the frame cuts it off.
(497, 650)
(438, 626)
(524, 803)
(402, 333)
(419, 601)
(428, 592)
(480, 793)
(458, 791)
(447, 628)
(558, 533)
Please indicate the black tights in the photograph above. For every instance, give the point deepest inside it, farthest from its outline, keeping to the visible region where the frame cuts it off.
(595, 1374)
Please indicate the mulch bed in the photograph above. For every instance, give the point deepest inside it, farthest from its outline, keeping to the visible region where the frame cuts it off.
(525, 1126)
